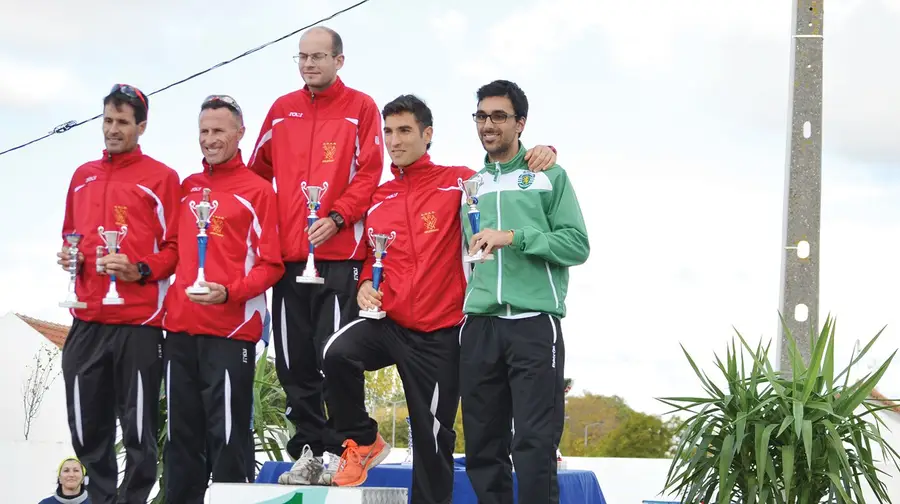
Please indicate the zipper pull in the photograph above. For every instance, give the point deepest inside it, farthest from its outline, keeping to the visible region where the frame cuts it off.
(497, 173)
(401, 173)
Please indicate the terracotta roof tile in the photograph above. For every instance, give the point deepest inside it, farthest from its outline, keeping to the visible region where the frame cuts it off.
(878, 396)
(56, 333)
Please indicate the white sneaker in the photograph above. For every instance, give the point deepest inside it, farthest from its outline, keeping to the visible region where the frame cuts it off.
(327, 476)
(307, 470)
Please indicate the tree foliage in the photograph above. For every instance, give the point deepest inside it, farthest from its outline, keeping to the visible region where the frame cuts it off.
(639, 435)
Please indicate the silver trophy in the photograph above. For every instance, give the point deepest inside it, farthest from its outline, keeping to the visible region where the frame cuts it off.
(203, 212)
(380, 242)
(113, 240)
(73, 239)
(470, 189)
(313, 202)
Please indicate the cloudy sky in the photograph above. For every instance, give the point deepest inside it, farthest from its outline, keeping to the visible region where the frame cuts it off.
(670, 117)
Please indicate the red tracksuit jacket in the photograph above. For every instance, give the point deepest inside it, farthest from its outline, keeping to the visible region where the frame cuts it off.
(242, 253)
(138, 191)
(331, 136)
(423, 279)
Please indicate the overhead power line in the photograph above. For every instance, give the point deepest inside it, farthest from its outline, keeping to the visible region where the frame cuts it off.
(62, 128)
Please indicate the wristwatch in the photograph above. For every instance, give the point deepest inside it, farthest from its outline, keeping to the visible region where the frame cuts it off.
(336, 217)
(144, 270)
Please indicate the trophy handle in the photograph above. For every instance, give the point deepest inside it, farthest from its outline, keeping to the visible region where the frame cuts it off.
(193, 206)
(101, 230)
(303, 190)
(371, 234)
(393, 236)
(324, 188)
(212, 208)
(462, 187)
(122, 234)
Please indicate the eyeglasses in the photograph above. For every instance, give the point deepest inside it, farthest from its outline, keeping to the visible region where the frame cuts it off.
(129, 91)
(227, 100)
(316, 57)
(496, 117)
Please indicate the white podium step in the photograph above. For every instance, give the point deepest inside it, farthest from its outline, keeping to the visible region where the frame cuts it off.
(255, 493)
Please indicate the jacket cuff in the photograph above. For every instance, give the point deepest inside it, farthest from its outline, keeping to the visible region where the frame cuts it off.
(518, 241)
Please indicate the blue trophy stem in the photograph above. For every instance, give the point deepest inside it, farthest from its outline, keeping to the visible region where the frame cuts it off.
(309, 222)
(475, 221)
(201, 250)
(376, 277)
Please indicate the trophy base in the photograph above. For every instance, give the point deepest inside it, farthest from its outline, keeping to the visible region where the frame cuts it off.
(372, 314)
(198, 289)
(478, 258)
(73, 304)
(310, 279)
(113, 301)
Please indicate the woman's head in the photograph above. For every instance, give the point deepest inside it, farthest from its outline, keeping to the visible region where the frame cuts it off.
(70, 475)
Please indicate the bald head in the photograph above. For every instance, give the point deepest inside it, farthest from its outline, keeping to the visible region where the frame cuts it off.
(320, 57)
(337, 44)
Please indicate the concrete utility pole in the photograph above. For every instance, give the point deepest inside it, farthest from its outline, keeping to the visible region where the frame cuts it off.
(799, 297)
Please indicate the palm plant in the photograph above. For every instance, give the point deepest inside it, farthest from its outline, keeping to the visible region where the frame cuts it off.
(771, 438)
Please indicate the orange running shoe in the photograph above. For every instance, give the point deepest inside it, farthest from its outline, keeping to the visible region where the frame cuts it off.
(357, 460)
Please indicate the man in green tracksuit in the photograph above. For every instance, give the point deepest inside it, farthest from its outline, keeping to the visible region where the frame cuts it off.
(511, 345)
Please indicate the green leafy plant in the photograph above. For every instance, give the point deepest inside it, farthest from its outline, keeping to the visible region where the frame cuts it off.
(770, 437)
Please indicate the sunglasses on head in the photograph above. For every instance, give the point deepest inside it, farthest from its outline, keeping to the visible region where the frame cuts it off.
(227, 100)
(129, 91)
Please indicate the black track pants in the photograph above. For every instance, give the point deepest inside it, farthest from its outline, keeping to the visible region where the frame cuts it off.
(428, 364)
(114, 371)
(512, 368)
(209, 391)
(303, 317)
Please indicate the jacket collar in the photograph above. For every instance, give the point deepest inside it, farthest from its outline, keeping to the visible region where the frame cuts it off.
(512, 165)
(124, 158)
(228, 166)
(417, 166)
(335, 89)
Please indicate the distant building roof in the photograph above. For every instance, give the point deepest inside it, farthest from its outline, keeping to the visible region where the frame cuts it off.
(892, 406)
(56, 333)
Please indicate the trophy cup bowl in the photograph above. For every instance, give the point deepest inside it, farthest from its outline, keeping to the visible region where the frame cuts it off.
(470, 189)
(71, 301)
(313, 202)
(380, 242)
(113, 240)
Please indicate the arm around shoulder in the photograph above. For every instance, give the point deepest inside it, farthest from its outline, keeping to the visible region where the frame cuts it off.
(566, 244)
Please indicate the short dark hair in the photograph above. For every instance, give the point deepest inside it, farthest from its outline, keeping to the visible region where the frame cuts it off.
(119, 99)
(337, 44)
(510, 90)
(219, 104)
(414, 105)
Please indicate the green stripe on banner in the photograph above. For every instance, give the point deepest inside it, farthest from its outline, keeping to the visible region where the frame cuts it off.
(300, 496)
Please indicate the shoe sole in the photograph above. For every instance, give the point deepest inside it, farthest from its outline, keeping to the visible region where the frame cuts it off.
(374, 461)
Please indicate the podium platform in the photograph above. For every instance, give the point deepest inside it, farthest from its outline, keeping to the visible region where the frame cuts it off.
(258, 493)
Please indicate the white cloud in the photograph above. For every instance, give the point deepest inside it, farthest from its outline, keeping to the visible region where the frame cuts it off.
(734, 61)
(26, 84)
(449, 26)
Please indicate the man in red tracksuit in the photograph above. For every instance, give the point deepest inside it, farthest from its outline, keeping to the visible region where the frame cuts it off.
(422, 295)
(211, 337)
(112, 359)
(323, 133)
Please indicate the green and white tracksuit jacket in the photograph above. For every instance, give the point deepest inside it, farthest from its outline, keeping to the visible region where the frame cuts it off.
(532, 275)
